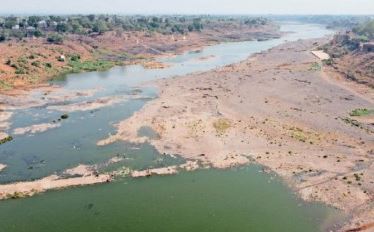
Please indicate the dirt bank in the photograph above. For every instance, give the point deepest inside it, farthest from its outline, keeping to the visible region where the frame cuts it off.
(27, 63)
(278, 109)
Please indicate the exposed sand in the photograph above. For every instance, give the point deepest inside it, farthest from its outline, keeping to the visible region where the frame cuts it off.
(4, 119)
(170, 170)
(23, 189)
(321, 55)
(89, 105)
(2, 166)
(156, 171)
(3, 135)
(84, 175)
(38, 128)
(154, 65)
(273, 108)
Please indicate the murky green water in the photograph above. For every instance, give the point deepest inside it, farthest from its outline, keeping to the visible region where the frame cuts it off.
(225, 200)
(240, 199)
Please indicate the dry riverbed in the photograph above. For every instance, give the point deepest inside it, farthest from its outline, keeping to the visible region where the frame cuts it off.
(277, 109)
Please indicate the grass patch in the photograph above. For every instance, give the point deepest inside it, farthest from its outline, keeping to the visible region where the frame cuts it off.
(361, 112)
(304, 136)
(315, 67)
(5, 85)
(221, 125)
(90, 65)
(6, 139)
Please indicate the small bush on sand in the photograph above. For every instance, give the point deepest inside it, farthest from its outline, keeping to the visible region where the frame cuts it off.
(222, 125)
(361, 112)
(55, 39)
(6, 139)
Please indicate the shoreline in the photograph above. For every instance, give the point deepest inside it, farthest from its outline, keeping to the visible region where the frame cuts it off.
(136, 52)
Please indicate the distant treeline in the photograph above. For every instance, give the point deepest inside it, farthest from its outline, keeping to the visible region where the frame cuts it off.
(55, 26)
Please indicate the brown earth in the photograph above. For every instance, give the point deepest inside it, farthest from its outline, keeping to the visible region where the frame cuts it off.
(120, 47)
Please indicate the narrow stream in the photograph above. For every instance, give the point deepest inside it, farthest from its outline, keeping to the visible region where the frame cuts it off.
(239, 199)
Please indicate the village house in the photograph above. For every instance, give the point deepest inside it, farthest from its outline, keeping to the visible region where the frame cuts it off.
(42, 24)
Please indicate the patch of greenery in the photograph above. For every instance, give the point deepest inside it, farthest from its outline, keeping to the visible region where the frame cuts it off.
(328, 62)
(315, 67)
(48, 65)
(90, 65)
(366, 30)
(36, 64)
(5, 85)
(52, 27)
(361, 112)
(6, 139)
(221, 125)
(55, 38)
(20, 70)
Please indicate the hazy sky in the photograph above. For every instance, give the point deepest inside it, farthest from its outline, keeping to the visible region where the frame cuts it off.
(188, 6)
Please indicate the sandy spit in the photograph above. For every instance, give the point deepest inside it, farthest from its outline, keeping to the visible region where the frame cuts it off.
(4, 119)
(2, 167)
(86, 175)
(170, 170)
(275, 109)
(88, 105)
(38, 128)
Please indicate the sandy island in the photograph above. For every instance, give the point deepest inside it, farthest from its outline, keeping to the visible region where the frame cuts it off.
(277, 109)
(37, 128)
(2, 166)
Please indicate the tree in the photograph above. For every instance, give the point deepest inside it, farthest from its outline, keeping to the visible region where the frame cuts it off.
(76, 27)
(197, 24)
(63, 27)
(33, 20)
(190, 28)
(367, 29)
(100, 27)
(10, 22)
(55, 39)
(38, 33)
(2, 37)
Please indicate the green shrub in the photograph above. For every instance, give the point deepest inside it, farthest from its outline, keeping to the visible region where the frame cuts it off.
(36, 64)
(75, 57)
(2, 38)
(55, 39)
(20, 70)
(361, 112)
(6, 139)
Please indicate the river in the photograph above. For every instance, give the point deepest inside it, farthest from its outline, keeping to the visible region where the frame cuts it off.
(238, 199)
